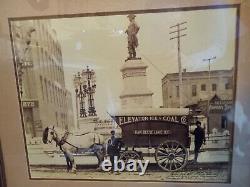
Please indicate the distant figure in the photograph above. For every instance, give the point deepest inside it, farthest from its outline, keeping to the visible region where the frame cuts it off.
(215, 131)
(214, 136)
(114, 147)
(199, 138)
(132, 30)
(226, 138)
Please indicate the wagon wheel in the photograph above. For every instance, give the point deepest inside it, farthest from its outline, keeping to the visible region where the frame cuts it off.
(126, 155)
(171, 155)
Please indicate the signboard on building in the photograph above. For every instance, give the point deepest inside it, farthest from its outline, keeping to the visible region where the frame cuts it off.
(220, 106)
(122, 120)
(29, 104)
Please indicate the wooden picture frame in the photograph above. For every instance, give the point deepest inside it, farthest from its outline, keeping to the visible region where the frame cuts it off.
(115, 12)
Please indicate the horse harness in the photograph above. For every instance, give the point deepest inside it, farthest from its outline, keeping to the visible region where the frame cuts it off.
(63, 141)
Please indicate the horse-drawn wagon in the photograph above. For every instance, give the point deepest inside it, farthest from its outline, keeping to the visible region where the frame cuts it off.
(164, 129)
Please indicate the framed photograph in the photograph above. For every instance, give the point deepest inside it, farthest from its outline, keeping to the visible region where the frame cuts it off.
(128, 96)
(125, 93)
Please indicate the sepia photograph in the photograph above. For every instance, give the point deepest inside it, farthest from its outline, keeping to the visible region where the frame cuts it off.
(128, 96)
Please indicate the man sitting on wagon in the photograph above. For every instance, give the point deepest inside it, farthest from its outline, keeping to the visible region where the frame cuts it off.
(199, 138)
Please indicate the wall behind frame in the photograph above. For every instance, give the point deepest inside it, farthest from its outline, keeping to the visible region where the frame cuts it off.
(10, 120)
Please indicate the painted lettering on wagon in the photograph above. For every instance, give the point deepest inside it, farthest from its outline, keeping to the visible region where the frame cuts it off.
(152, 132)
(133, 119)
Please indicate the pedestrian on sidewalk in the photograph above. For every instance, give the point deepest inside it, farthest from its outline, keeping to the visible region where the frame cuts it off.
(199, 138)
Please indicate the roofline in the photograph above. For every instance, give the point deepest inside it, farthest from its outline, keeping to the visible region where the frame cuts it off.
(197, 72)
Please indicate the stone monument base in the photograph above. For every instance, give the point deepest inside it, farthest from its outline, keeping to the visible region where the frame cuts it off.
(135, 93)
(87, 124)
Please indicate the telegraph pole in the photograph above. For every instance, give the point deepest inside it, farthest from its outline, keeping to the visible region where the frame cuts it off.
(209, 93)
(209, 75)
(178, 30)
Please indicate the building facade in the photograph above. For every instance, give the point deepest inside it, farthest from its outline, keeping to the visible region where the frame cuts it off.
(197, 86)
(40, 77)
(208, 94)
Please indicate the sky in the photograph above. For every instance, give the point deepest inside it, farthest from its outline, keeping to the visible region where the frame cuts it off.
(100, 43)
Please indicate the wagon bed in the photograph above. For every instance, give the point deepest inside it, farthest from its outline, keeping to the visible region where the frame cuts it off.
(165, 129)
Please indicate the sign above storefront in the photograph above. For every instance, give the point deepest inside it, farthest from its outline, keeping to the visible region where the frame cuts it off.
(220, 106)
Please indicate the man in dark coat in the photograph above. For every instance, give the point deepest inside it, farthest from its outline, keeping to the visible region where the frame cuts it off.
(114, 147)
(199, 138)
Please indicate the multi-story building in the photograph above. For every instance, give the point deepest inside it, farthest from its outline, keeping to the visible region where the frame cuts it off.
(45, 100)
(207, 94)
(197, 86)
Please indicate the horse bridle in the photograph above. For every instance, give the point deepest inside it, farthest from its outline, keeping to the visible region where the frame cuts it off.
(53, 133)
(60, 142)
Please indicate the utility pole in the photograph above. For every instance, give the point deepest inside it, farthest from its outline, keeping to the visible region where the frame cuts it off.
(209, 87)
(178, 36)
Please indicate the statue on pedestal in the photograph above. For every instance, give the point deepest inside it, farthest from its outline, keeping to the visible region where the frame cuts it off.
(131, 31)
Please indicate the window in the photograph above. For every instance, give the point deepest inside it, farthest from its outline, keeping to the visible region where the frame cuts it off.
(54, 94)
(46, 90)
(177, 91)
(56, 119)
(223, 122)
(194, 90)
(203, 87)
(227, 86)
(214, 87)
(49, 92)
(41, 82)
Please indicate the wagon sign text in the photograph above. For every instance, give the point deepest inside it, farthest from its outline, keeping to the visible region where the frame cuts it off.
(132, 119)
(152, 132)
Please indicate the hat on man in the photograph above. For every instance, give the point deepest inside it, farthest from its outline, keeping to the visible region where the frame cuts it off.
(198, 123)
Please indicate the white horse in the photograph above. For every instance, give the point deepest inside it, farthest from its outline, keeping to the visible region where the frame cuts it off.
(70, 143)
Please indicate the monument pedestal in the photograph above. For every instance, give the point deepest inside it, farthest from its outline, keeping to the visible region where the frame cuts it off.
(135, 93)
(87, 124)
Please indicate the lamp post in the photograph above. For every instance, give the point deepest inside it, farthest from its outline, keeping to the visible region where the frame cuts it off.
(90, 89)
(80, 90)
(85, 86)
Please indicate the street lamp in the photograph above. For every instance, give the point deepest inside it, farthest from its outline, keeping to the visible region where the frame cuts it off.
(85, 85)
(80, 90)
(89, 76)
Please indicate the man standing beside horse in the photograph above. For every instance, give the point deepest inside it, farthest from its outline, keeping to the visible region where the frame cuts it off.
(114, 147)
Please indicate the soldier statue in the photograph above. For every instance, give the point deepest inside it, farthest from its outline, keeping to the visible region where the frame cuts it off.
(131, 31)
